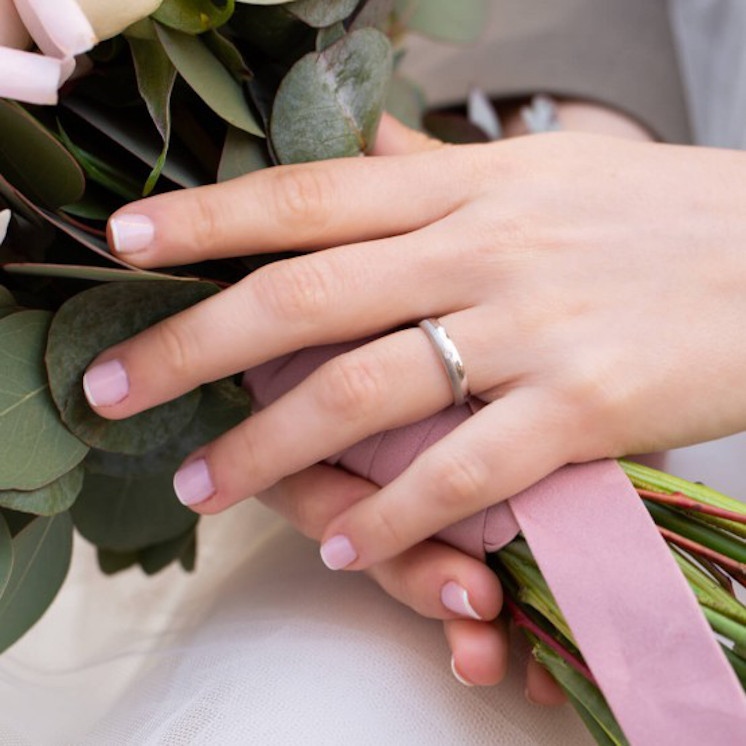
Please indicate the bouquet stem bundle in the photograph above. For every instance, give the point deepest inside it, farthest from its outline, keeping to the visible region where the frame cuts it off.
(706, 532)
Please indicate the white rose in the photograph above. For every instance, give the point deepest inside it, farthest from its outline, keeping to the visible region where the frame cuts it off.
(62, 29)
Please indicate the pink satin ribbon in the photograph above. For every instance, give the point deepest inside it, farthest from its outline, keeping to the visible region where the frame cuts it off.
(632, 613)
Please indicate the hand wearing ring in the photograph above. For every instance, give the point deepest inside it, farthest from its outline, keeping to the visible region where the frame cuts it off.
(563, 267)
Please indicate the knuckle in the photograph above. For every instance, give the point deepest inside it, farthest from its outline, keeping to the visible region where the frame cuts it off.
(177, 347)
(457, 480)
(386, 529)
(350, 386)
(301, 194)
(296, 290)
(207, 220)
(309, 516)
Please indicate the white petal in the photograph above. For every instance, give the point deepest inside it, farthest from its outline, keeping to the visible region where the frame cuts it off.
(31, 78)
(111, 17)
(480, 111)
(4, 223)
(13, 33)
(59, 27)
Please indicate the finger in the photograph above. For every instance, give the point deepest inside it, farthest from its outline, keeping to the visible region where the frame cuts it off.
(311, 498)
(499, 451)
(388, 383)
(301, 302)
(299, 207)
(479, 651)
(441, 582)
(433, 579)
(541, 687)
(395, 138)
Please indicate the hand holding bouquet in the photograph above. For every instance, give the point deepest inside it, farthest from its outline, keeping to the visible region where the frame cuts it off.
(190, 97)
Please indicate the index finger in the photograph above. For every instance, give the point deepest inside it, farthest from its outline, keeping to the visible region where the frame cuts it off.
(300, 207)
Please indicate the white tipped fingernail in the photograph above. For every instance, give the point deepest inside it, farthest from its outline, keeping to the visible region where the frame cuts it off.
(456, 599)
(457, 675)
(131, 233)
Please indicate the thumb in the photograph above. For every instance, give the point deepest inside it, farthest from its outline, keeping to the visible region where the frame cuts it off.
(395, 138)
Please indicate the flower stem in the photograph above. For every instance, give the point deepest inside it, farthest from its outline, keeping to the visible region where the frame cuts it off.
(681, 501)
(521, 619)
(736, 569)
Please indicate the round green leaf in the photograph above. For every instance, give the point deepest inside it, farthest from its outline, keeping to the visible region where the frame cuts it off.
(95, 320)
(321, 13)
(330, 103)
(194, 16)
(37, 447)
(51, 499)
(34, 161)
(41, 558)
(132, 513)
(209, 79)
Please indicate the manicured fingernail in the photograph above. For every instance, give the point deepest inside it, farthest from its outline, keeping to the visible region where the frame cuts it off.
(131, 233)
(457, 675)
(338, 552)
(456, 598)
(193, 484)
(106, 384)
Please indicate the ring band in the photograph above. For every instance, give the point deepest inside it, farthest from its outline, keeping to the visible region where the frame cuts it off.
(450, 357)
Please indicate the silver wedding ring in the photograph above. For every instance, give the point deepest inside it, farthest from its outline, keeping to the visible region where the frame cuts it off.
(450, 357)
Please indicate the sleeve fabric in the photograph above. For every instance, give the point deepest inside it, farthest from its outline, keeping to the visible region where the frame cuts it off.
(620, 53)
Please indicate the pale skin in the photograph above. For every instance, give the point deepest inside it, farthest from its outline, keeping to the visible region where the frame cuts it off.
(594, 286)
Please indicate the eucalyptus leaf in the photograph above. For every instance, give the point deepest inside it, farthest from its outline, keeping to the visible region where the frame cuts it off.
(155, 80)
(93, 321)
(223, 405)
(242, 154)
(330, 103)
(37, 447)
(33, 160)
(209, 79)
(329, 35)
(406, 101)
(460, 22)
(320, 13)
(194, 16)
(131, 513)
(53, 498)
(41, 558)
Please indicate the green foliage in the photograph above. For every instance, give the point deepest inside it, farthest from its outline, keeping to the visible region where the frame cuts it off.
(41, 558)
(37, 447)
(51, 499)
(97, 319)
(194, 16)
(340, 92)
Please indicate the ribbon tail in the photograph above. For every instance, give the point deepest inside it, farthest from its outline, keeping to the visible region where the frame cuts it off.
(630, 609)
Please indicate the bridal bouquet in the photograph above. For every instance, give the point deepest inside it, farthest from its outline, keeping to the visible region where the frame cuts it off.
(102, 103)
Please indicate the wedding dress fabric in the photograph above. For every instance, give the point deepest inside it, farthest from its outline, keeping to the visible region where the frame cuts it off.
(264, 645)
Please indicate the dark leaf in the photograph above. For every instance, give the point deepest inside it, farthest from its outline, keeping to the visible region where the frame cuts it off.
(194, 16)
(41, 558)
(93, 321)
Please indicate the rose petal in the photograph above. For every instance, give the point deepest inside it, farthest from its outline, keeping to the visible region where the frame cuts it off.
(31, 78)
(59, 27)
(111, 17)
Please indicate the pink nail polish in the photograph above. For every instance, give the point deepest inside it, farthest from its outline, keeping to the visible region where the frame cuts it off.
(456, 599)
(457, 675)
(106, 384)
(337, 552)
(193, 483)
(131, 233)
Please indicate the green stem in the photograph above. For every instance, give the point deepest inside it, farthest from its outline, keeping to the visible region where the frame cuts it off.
(725, 626)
